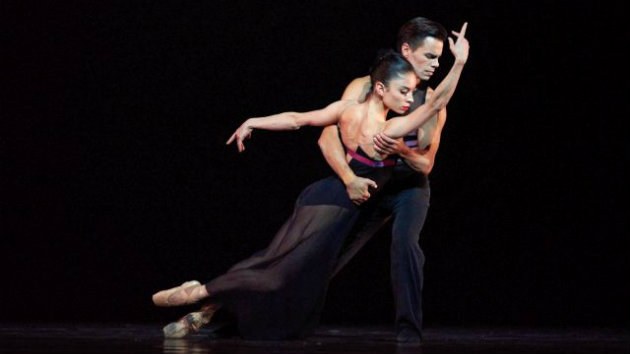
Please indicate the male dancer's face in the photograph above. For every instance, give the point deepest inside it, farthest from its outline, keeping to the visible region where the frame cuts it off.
(425, 58)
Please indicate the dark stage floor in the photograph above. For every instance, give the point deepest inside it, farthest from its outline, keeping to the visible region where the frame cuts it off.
(147, 338)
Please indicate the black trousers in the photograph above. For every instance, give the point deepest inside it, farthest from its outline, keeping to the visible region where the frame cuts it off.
(408, 207)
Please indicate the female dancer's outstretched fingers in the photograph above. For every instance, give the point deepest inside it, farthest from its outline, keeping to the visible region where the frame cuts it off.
(462, 32)
(231, 139)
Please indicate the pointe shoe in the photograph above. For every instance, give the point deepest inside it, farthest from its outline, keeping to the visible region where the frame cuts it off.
(190, 323)
(161, 298)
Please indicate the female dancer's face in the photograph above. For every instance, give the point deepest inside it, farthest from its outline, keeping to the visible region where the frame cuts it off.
(398, 96)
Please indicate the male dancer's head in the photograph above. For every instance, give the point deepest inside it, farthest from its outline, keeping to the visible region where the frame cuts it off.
(421, 41)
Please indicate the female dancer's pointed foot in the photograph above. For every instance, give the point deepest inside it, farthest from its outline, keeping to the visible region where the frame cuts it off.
(187, 293)
(190, 323)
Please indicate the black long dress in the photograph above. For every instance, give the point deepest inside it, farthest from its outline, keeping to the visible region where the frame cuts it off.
(279, 292)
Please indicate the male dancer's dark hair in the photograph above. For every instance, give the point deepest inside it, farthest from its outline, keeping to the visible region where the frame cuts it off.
(414, 31)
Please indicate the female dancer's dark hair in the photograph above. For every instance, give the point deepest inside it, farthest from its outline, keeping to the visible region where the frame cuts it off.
(387, 66)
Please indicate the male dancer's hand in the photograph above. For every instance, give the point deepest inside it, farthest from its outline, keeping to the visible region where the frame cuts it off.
(388, 146)
(358, 189)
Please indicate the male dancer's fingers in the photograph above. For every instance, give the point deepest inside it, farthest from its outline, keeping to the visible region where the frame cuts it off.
(384, 144)
(387, 139)
(384, 141)
(380, 150)
(366, 184)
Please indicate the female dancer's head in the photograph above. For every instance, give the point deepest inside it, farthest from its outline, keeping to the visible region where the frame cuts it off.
(393, 81)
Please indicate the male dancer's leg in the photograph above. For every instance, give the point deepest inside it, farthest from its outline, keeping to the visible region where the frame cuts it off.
(407, 260)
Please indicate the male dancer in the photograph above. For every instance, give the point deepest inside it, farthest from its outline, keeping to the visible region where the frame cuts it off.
(406, 196)
(421, 42)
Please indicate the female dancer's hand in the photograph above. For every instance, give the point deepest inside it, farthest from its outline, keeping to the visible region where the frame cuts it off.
(461, 47)
(243, 132)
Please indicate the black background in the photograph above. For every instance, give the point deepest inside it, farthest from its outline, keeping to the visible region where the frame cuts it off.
(116, 180)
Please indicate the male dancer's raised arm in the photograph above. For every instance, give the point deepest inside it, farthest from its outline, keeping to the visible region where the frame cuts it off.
(334, 152)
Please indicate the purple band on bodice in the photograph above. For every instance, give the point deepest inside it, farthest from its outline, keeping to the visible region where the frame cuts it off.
(411, 143)
(373, 163)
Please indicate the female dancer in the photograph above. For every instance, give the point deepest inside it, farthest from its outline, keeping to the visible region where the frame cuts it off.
(279, 292)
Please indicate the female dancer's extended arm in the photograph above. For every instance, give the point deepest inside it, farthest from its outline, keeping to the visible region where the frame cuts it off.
(401, 126)
(289, 121)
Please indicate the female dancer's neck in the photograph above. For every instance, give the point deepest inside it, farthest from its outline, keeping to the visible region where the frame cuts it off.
(376, 107)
